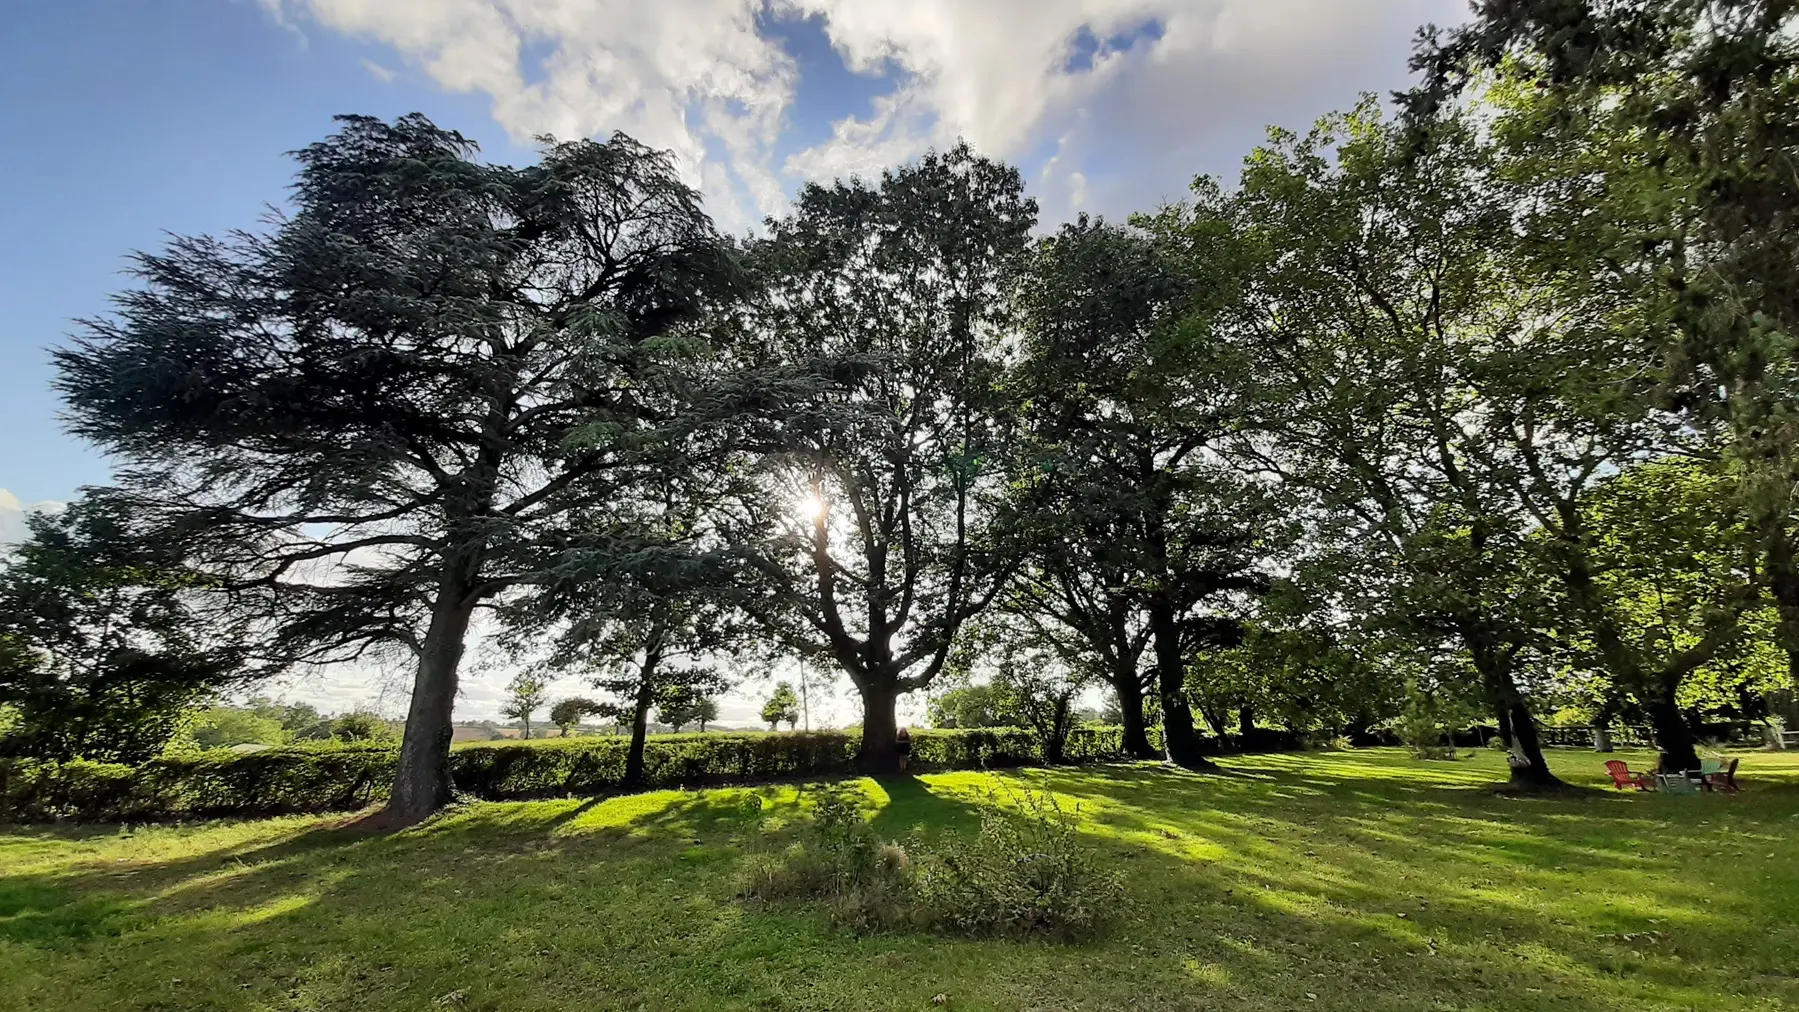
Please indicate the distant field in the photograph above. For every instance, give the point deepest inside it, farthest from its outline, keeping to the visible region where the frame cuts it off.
(1358, 880)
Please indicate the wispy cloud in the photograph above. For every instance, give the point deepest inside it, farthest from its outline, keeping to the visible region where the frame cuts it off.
(1133, 95)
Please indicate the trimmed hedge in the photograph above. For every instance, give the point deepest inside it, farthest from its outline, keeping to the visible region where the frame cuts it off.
(301, 778)
(333, 777)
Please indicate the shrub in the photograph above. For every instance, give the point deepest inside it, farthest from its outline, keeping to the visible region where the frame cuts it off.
(864, 882)
(308, 778)
(323, 776)
(1026, 872)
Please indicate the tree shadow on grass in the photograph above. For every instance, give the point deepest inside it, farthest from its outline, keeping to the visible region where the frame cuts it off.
(1249, 894)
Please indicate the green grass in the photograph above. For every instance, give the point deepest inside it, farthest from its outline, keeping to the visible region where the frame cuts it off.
(1359, 880)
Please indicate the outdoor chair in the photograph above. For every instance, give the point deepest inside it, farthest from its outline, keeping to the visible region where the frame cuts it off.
(1678, 782)
(1622, 777)
(1724, 778)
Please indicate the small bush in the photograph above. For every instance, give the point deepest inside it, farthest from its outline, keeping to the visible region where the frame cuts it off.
(864, 882)
(1025, 873)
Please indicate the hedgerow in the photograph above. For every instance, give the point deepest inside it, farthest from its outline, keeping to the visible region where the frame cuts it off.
(332, 776)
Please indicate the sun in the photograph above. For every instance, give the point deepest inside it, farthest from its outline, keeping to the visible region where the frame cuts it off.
(811, 507)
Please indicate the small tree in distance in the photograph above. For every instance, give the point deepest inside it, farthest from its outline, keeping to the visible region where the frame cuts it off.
(525, 695)
(783, 705)
(361, 725)
(705, 712)
(683, 704)
(567, 713)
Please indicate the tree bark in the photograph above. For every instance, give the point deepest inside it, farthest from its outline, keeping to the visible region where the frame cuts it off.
(879, 751)
(1783, 585)
(1178, 737)
(640, 721)
(1516, 726)
(1055, 743)
(1129, 686)
(1526, 744)
(1246, 722)
(422, 780)
(1673, 737)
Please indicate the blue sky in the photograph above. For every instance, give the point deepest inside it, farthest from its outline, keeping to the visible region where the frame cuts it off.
(130, 119)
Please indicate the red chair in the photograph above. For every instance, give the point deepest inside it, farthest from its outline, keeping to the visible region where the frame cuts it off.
(1723, 780)
(1622, 777)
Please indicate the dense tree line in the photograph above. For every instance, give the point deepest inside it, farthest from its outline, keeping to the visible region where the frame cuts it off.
(1487, 403)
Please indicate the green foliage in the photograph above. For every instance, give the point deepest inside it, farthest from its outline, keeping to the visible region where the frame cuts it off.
(103, 645)
(1027, 872)
(299, 778)
(224, 726)
(681, 704)
(865, 883)
(984, 705)
(783, 705)
(525, 695)
(363, 726)
(1431, 718)
(325, 776)
(567, 713)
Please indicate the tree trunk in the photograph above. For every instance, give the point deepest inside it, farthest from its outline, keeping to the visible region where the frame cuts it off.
(1533, 773)
(879, 752)
(1672, 735)
(422, 780)
(1246, 722)
(1213, 720)
(1178, 738)
(640, 723)
(1055, 744)
(1129, 686)
(1516, 725)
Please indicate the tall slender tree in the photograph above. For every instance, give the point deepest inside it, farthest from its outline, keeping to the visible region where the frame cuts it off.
(379, 415)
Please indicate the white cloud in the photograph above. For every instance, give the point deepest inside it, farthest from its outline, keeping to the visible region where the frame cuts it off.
(1163, 88)
(377, 71)
(13, 514)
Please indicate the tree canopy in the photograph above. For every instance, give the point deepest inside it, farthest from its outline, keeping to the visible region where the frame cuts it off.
(1481, 408)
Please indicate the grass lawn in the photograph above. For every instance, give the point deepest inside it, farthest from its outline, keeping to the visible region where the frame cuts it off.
(1358, 880)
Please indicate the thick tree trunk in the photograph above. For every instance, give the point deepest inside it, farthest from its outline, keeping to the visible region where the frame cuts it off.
(640, 722)
(1129, 686)
(879, 752)
(1673, 737)
(1178, 737)
(1533, 772)
(1055, 744)
(1530, 771)
(422, 781)
(1246, 722)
